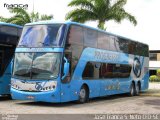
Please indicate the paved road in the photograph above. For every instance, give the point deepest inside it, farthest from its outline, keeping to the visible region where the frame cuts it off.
(146, 103)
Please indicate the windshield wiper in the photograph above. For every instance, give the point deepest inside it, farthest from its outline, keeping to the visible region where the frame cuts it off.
(22, 46)
(44, 44)
(22, 73)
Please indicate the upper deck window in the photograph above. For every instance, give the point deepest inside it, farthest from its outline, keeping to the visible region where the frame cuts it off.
(75, 35)
(90, 37)
(42, 35)
(9, 30)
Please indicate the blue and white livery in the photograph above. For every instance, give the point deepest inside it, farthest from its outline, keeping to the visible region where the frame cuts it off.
(9, 36)
(61, 62)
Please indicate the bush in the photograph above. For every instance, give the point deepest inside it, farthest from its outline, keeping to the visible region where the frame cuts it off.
(158, 72)
(154, 78)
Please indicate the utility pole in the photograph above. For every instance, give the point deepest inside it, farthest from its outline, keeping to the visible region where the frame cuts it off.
(33, 11)
(33, 6)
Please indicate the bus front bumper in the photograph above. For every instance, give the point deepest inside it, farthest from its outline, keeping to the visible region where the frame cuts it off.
(49, 96)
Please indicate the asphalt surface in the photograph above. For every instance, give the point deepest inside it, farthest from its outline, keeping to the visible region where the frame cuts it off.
(147, 103)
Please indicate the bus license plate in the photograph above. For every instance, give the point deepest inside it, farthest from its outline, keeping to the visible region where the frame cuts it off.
(30, 97)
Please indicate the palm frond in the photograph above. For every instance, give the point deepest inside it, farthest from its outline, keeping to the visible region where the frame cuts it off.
(87, 4)
(81, 15)
(120, 15)
(2, 19)
(101, 8)
(118, 4)
(46, 17)
(130, 17)
(16, 20)
(21, 16)
(34, 17)
(20, 11)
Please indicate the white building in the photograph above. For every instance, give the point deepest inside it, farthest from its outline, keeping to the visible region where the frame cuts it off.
(154, 63)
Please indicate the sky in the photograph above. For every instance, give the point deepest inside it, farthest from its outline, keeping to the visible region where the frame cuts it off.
(147, 13)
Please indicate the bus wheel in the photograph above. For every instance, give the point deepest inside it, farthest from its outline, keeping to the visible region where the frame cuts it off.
(137, 90)
(83, 95)
(132, 90)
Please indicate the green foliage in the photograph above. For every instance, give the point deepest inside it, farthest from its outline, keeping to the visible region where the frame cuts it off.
(154, 78)
(46, 17)
(99, 10)
(158, 72)
(37, 17)
(21, 17)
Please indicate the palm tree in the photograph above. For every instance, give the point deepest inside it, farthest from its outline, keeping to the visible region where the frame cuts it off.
(99, 10)
(22, 17)
(36, 17)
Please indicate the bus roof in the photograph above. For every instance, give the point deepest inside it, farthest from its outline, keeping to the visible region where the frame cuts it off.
(46, 22)
(83, 25)
(9, 24)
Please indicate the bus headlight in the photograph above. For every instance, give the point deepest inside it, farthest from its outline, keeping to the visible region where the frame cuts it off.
(15, 86)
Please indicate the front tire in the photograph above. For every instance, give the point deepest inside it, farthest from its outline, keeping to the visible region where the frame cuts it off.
(83, 95)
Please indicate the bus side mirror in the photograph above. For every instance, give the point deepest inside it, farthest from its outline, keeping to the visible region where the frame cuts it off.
(65, 69)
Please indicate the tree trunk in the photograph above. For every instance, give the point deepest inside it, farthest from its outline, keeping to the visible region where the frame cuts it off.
(101, 25)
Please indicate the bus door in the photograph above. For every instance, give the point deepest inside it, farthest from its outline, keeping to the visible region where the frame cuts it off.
(5, 69)
(65, 81)
(7, 47)
(1, 80)
(9, 37)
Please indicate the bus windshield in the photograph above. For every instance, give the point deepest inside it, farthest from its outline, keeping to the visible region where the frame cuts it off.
(36, 65)
(42, 35)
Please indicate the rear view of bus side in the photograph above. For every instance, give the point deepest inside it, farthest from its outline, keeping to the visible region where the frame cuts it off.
(70, 61)
(9, 36)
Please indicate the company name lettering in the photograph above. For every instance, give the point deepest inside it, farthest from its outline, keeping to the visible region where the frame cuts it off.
(106, 56)
(24, 6)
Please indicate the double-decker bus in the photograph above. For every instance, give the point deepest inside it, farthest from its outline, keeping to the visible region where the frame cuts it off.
(9, 36)
(60, 62)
